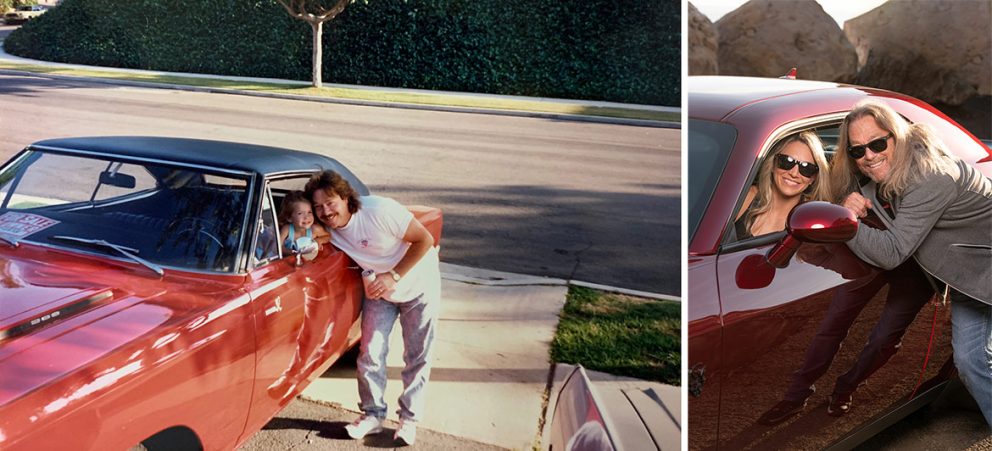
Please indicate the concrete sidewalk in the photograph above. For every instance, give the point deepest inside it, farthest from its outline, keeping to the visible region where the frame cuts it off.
(491, 370)
(491, 365)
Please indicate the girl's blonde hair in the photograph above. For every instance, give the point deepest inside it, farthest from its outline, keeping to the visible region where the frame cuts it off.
(819, 188)
(916, 151)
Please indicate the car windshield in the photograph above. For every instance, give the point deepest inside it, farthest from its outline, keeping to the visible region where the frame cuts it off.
(709, 148)
(157, 214)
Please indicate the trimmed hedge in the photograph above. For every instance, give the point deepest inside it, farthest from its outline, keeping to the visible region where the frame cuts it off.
(614, 50)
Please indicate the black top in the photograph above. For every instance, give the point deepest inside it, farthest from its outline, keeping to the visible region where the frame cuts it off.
(263, 160)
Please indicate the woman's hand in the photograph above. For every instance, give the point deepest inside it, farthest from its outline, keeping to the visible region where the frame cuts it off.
(857, 204)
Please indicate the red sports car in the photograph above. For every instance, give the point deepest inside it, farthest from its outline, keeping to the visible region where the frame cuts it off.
(758, 306)
(144, 300)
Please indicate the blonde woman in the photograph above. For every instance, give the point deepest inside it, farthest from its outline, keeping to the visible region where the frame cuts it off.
(788, 176)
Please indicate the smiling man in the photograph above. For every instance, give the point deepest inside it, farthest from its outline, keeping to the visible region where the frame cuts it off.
(381, 235)
(942, 211)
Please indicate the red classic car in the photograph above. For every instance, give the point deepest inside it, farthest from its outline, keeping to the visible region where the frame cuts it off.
(144, 301)
(755, 305)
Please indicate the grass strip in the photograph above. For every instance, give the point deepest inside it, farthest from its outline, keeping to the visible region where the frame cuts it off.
(621, 335)
(371, 95)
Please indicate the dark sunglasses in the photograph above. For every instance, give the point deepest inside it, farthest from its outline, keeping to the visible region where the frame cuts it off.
(876, 145)
(786, 163)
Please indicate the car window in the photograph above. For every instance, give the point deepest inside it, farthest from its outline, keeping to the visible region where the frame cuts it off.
(710, 144)
(267, 236)
(276, 191)
(283, 186)
(827, 133)
(123, 179)
(166, 215)
(35, 187)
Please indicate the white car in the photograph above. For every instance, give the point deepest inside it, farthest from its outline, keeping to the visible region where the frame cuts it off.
(24, 13)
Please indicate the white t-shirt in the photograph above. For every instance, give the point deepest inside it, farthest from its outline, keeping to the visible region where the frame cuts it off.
(373, 238)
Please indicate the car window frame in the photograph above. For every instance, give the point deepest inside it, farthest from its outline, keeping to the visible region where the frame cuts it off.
(695, 217)
(266, 194)
(727, 242)
(266, 190)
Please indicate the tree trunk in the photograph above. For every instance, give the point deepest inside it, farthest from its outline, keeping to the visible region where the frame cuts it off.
(318, 28)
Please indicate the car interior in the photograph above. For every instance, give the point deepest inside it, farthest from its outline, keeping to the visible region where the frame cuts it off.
(173, 217)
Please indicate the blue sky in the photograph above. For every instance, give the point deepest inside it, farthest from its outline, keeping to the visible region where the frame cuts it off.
(840, 10)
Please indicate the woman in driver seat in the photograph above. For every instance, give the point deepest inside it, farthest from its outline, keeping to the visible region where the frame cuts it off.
(788, 176)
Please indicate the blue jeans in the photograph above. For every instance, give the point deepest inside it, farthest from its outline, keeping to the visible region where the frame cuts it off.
(971, 323)
(417, 320)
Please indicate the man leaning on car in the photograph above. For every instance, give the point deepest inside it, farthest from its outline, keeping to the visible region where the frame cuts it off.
(383, 237)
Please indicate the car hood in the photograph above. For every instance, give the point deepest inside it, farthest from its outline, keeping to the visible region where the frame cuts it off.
(39, 287)
(35, 291)
(60, 310)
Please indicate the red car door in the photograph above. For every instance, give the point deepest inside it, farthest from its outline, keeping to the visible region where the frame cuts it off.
(782, 334)
(305, 316)
(304, 319)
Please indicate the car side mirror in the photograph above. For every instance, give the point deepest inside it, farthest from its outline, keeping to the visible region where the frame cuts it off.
(117, 179)
(306, 249)
(813, 222)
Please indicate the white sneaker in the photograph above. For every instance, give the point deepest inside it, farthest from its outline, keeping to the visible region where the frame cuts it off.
(363, 426)
(406, 433)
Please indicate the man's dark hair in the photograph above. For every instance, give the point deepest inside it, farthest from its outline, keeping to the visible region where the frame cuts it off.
(332, 183)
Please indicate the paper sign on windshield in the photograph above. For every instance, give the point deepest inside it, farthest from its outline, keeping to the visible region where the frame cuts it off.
(19, 225)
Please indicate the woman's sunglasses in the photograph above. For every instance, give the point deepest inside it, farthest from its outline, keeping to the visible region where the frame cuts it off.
(876, 145)
(786, 163)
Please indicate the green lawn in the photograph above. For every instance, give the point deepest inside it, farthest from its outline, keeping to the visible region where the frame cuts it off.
(620, 335)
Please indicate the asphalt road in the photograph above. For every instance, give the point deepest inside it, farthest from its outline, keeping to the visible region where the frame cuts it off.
(586, 201)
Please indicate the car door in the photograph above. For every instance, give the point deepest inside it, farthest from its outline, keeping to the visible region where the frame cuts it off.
(813, 317)
(305, 317)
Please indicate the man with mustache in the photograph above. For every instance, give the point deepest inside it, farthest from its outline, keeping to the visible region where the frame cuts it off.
(381, 235)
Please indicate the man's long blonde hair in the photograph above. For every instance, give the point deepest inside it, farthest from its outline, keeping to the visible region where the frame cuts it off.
(819, 188)
(917, 151)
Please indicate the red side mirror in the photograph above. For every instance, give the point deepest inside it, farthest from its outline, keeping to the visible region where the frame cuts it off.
(813, 222)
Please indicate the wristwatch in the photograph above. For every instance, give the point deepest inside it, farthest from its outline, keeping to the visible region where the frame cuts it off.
(396, 275)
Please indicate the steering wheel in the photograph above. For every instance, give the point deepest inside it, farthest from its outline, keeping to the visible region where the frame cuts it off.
(197, 228)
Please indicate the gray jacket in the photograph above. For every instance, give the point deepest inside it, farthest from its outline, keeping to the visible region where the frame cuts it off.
(945, 224)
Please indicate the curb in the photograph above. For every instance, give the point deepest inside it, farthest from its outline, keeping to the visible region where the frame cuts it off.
(370, 103)
(465, 274)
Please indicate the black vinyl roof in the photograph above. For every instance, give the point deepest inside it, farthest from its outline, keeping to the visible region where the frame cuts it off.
(263, 160)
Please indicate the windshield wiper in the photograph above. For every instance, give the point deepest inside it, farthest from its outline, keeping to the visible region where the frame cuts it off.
(125, 251)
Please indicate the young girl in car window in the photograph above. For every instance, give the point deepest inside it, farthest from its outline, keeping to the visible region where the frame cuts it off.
(296, 215)
(788, 176)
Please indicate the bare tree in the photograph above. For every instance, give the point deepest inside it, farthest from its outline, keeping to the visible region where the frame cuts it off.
(316, 13)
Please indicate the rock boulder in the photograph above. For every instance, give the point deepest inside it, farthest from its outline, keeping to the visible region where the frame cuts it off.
(936, 50)
(702, 44)
(768, 37)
